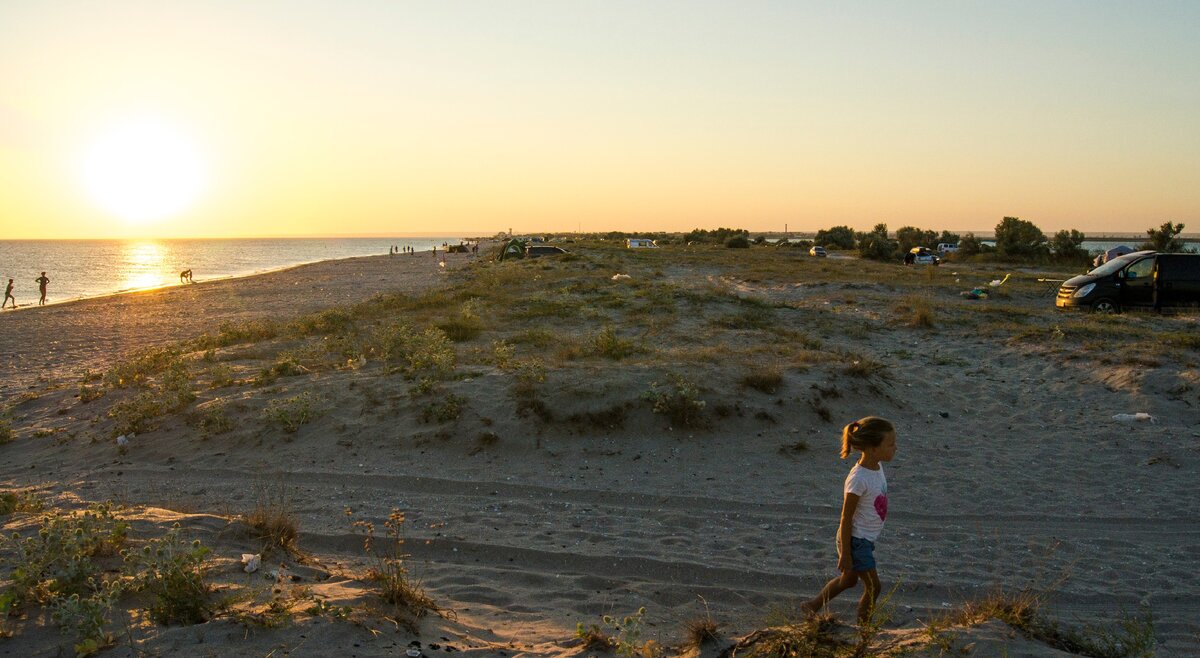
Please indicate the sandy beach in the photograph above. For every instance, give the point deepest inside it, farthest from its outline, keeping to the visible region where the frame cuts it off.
(542, 489)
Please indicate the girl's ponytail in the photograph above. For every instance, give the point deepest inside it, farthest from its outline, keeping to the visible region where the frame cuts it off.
(865, 432)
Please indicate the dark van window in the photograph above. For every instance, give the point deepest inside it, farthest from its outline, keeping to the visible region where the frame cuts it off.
(1180, 267)
(1140, 269)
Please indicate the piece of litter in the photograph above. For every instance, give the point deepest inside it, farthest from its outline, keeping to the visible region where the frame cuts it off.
(619, 277)
(122, 440)
(252, 562)
(1129, 418)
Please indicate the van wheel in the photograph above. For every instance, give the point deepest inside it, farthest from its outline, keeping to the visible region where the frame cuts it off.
(1105, 306)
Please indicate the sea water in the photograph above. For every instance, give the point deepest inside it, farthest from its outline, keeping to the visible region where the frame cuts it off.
(88, 268)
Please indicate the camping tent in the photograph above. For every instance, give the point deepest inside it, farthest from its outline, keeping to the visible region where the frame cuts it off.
(1111, 254)
(514, 249)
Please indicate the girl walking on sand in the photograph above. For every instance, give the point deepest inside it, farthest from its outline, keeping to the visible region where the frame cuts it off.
(863, 512)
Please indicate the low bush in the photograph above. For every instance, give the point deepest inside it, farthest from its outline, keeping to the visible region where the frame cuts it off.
(58, 561)
(290, 413)
(171, 570)
(427, 352)
(609, 344)
(680, 401)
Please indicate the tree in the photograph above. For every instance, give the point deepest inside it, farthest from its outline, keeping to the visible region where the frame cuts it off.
(1066, 245)
(1165, 237)
(969, 245)
(948, 238)
(719, 235)
(840, 237)
(910, 237)
(1017, 237)
(737, 242)
(876, 245)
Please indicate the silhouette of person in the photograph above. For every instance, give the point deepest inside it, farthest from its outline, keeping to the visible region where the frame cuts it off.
(42, 281)
(8, 295)
(186, 276)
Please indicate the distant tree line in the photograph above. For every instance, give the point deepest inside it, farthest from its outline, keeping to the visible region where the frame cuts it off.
(1016, 240)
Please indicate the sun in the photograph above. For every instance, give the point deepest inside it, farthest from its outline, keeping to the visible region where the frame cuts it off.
(143, 169)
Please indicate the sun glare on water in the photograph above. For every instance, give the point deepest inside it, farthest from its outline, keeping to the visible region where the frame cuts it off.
(143, 169)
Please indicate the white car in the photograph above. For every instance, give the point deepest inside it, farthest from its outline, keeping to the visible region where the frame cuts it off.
(922, 256)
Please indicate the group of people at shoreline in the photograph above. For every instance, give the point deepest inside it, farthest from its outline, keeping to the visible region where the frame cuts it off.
(42, 282)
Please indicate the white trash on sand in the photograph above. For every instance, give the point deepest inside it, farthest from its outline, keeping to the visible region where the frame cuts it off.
(1132, 418)
(252, 562)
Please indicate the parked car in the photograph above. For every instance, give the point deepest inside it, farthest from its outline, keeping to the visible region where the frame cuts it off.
(640, 243)
(947, 247)
(921, 256)
(538, 250)
(817, 251)
(1140, 279)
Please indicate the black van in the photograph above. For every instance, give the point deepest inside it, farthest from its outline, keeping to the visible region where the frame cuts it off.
(1141, 279)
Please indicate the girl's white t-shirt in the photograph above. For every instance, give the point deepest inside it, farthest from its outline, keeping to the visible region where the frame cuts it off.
(871, 489)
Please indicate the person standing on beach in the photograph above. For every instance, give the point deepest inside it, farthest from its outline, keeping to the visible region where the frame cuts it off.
(8, 295)
(864, 510)
(42, 281)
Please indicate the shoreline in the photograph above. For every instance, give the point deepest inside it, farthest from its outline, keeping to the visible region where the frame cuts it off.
(81, 334)
(169, 286)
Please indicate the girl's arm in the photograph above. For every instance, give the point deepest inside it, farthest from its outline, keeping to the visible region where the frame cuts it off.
(845, 561)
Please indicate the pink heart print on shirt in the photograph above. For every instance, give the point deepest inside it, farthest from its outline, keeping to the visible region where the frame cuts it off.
(881, 506)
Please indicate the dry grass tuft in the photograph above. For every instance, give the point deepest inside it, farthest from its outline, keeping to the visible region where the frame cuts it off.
(701, 631)
(768, 380)
(273, 521)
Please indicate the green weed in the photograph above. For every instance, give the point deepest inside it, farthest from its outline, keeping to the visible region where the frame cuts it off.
(609, 344)
(680, 401)
(290, 413)
(171, 569)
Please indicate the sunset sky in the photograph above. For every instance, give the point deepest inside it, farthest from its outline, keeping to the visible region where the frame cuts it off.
(234, 118)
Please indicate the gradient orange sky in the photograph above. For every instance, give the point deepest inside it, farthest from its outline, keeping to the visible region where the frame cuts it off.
(382, 118)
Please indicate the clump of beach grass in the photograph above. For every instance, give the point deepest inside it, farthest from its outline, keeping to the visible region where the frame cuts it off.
(389, 571)
(273, 521)
(1132, 636)
(292, 412)
(767, 379)
(610, 345)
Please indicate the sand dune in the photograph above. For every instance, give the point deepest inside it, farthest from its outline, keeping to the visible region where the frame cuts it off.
(1011, 472)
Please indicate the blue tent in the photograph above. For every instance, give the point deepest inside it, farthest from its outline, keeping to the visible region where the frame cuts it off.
(1120, 250)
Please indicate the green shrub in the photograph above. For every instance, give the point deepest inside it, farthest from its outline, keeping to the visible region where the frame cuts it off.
(171, 570)
(58, 561)
(84, 617)
(6, 431)
(19, 501)
(139, 368)
(229, 333)
(329, 321)
(680, 402)
(609, 344)
(212, 420)
(89, 393)
(138, 414)
(416, 352)
(291, 413)
(465, 326)
(440, 411)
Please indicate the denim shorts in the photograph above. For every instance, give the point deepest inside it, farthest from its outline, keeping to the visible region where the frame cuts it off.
(862, 551)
